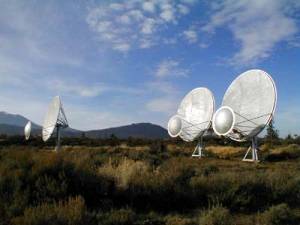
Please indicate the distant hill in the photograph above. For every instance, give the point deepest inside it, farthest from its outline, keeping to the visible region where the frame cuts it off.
(13, 124)
(11, 130)
(138, 130)
(15, 120)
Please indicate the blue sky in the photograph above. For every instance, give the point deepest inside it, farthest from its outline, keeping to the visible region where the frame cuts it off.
(122, 62)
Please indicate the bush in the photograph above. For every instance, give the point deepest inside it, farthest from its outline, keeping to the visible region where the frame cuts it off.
(70, 212)
(178, 220)
(111, 181)
(284, 153)
(151, 218)
(216, 216)
(279, 215)
(124, 172)
(117, 217)
(210, 169)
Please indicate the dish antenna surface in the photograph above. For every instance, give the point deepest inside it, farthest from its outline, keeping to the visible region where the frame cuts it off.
(193, 117)
(27, 130)
(248, 106)
(55, 119)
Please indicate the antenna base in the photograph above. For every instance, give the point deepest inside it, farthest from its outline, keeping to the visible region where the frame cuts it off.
(198, 152)
(58, 146)
(253, 149)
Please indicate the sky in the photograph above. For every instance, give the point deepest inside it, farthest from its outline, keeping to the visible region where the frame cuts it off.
(120, 62)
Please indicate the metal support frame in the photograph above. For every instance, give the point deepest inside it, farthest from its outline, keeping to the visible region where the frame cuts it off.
(254, 149)
(58, 133)
(198, 152)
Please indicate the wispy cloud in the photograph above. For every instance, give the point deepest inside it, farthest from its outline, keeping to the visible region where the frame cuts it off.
(166, 99)
(68, 87)
(86, 118)
(191, 35)
(167, 95)
(135, 24)
(170, 68)
(26, 37)
(162, 105)
(257, 26)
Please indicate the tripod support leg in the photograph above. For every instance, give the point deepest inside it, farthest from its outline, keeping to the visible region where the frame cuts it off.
(198, 152)
(253, 149)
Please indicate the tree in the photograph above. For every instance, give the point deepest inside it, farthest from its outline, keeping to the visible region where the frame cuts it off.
(272, 136)
(289, 139)
(113, 140)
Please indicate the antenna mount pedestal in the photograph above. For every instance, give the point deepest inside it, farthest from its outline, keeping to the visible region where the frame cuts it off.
(253, 149)
(57, 147)
(198, 152)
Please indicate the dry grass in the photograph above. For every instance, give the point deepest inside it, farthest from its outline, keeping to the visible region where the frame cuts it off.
(124, 172)
(290, 148)
(225, 151)
(128, 183)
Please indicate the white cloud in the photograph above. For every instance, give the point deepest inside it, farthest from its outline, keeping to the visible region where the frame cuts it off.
(183, 9)
(85, 118)
(165, 105)
(125, 19)
(71, 88)
(148, 26)
(149, 6)
(170, 68)
(191, 35)
(122, 46)
(167, 100)
(190, 1)
(170, 41)
(116, 6)
(77, 89)
(135, 24)
(25, 35)
(146, 43)
(167, 12)
(166, 97)
(258, 25)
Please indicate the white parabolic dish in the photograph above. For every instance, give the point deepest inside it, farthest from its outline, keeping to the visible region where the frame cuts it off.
(174, 126)
(52, 118)
(196, 112)
(27, 130)
(252, 96)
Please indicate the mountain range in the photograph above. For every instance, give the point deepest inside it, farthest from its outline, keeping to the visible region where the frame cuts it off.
(13, 124)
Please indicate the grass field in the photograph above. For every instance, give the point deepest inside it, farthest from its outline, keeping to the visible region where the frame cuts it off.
(155, 184)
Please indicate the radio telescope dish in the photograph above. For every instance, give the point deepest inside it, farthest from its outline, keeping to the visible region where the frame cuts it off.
(193, 117)
(55, 119)
(196, 111)
(174, 126)
(248, 106)
(27, 130)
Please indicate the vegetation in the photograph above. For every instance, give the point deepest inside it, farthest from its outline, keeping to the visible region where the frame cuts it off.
(147, 182)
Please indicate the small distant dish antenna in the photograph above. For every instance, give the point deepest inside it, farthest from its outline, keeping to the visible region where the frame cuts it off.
(193, 118)
(174, 126)
(55, 120)
(248, 106)
(27, 130)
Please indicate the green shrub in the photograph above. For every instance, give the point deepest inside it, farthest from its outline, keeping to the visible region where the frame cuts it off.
(279, 215)
(216, 216)
(71, 212)
(178, 220)
(112, 178)
(210, 169)
(151, 218)
(117, 217)
(284, 153)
